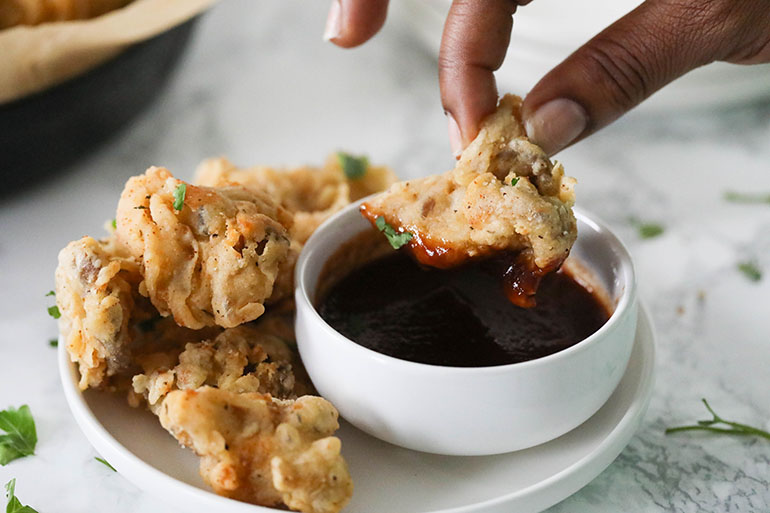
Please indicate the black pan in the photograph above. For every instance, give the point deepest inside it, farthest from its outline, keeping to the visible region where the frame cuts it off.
(48, 131)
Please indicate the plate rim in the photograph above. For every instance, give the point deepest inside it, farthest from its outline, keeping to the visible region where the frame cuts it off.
(571, 479)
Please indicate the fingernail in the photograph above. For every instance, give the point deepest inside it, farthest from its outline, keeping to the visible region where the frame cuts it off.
(455, 136)
(333, 21)
(556, 124)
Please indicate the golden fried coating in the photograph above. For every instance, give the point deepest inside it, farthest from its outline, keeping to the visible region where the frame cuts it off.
(214, 261)
(249, 358)
(503, 195)
(476, 209)
(311, 194)
(94, 295)
(34, 12)
(263, 450)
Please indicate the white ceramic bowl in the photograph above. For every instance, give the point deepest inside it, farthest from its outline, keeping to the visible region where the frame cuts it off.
(467, 411)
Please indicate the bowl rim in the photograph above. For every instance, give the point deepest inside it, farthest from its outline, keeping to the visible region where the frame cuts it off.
(626, 302)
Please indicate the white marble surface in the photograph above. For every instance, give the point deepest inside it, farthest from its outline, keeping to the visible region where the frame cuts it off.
(260, 86)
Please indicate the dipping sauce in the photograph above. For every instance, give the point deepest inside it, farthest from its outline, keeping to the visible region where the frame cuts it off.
(459, 317)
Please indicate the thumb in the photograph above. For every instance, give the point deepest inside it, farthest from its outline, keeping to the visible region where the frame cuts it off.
(640, 53)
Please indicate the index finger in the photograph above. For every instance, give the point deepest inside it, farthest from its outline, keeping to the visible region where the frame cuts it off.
(473, 46)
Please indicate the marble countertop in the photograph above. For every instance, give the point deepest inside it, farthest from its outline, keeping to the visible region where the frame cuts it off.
(260, 86)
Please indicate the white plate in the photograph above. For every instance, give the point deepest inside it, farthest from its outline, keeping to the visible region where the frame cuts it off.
(387, 478)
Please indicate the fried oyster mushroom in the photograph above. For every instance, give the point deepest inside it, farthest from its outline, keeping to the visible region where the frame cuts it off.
(263, 450)
(504, 195)
(209, 256)
(34, 12)
(250, 358)
(312, 194)
(95, 295)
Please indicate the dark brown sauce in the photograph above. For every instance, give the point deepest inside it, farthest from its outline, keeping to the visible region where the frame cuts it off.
(459, 317)
(521, 276)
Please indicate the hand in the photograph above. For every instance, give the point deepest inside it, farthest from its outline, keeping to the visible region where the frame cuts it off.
(652, 45)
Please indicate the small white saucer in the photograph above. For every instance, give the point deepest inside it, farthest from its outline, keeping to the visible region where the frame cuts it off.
(387, 478)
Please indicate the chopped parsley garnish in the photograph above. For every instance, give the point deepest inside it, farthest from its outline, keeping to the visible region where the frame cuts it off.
(105, 462)
(54, 312)
(51, 293)
(53, 342)
(396, 239)
(179, 194)
(20, 436)
(114, 224)
(14, 506)
(646, 230)
(750, 270)
(739, 197)
(514, 180)
(716, 425)
(353, 167)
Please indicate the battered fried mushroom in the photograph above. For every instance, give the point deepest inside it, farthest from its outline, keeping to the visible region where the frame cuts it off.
(209, 256)
(34, 12)
(503, 195)
(249, 358)
(311, 194)
(94, 295)
(262, 450)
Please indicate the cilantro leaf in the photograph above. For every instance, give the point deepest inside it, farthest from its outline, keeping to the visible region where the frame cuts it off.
(14, 505)
(354, 167)
(114, 224)
(179, 194)
(53, 342)
(51, 293)
(105, 462)
(515, 180)
(20, 438)
(396, 239)
(750, 270)
(54, 312)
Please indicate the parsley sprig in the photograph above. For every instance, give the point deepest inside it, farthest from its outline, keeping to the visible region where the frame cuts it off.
(353, 167)
(716, 425)
(20, 435)
(396, 238)
(14, 505)
(179, 193)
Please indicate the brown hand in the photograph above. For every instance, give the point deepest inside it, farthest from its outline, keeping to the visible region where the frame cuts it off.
(654, 44)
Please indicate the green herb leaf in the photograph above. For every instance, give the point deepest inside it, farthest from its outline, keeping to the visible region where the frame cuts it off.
(54, 312)
(20, 438)
(105, 462)
(51, 293)
(515, 180)
(733, 428)
(14, 505)
(114, 224)
(646, 230)
(739, 197)
(353, 167)
(649, 230)
(396, 238)
(179, 194)
(53, 342)
(750, 270)
(140, 207)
